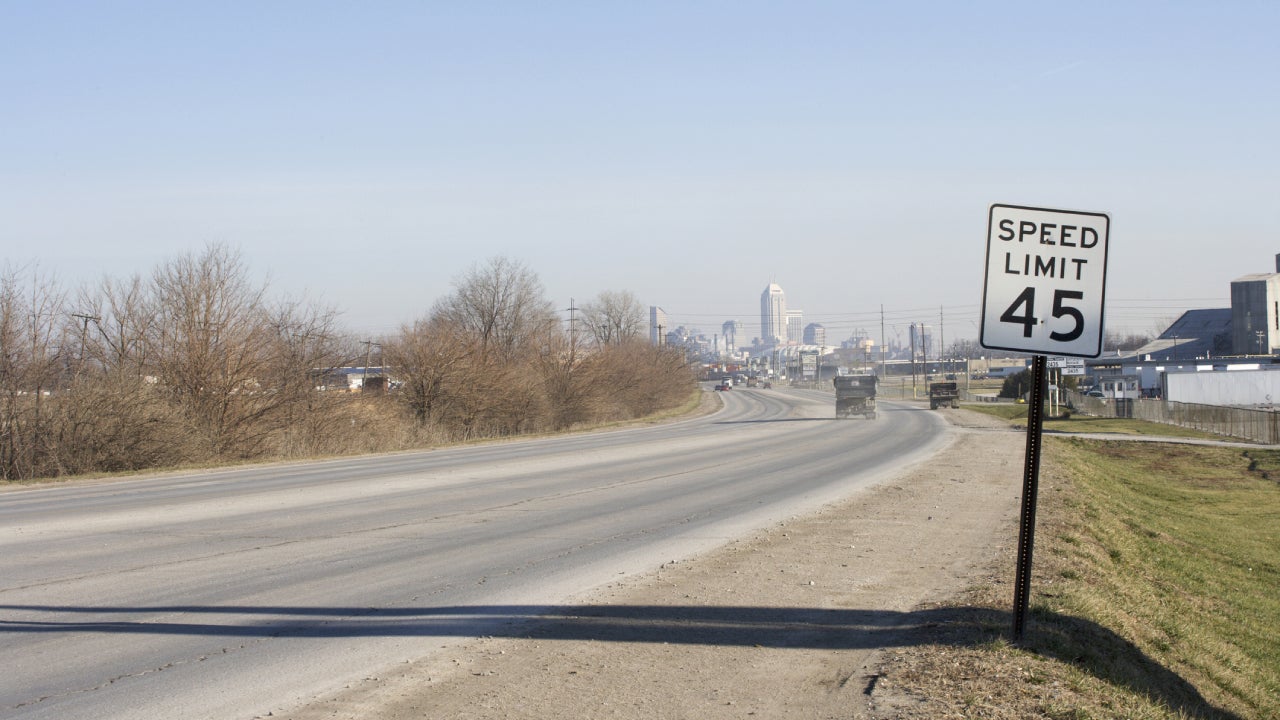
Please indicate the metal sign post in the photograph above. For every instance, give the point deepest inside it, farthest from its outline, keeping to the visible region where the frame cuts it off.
(1030, 489)
(1044, 293)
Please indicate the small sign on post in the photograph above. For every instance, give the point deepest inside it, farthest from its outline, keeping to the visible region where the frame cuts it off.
(1044, 293)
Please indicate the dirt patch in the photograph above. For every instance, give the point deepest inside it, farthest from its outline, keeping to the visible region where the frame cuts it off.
(799, 620)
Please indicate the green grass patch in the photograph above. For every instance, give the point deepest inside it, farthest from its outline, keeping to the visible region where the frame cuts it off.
(1264, 462)
(1172, 549)
(1016, 414)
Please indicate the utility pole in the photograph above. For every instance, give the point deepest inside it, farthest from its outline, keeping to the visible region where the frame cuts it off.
(913, 359)
(968, 353)
(924, 355)
(942, 342)
(882, 373)
(84, 330)
(368, 347)
(573, 332)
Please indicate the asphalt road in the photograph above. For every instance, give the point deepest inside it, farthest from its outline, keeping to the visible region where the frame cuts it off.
(236, 593)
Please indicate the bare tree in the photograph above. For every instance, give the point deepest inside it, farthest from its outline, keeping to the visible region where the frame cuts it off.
(614, 318)
(432, 357)
(1127, 342)
(33, 363)
(304, 345)
(122, 314)
(211, 341)
(502, 303)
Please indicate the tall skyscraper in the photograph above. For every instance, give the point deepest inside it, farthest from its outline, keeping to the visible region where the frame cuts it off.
(657, 325)
(773, 315)
(795, 329)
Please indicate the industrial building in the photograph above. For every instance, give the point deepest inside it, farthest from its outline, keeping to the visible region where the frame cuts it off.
(1242, 339)
(1255, 313)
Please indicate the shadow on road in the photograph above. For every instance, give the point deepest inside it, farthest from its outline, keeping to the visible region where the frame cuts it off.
(770, 421)
(1109, 656)
(879, 411)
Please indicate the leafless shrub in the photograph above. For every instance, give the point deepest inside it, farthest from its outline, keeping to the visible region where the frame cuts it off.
(195, 364)
(116, 421)
(566, 383)
(638, 379)
(453, 385)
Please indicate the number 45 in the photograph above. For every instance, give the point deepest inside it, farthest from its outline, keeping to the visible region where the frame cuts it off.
(1027, 318)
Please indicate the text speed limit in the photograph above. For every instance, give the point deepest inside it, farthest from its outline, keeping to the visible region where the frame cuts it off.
(1046, 281)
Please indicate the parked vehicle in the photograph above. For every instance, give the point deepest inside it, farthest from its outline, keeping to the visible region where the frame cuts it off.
(855, 395)
(943, 394)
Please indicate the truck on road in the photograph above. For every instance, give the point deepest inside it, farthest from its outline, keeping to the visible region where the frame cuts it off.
(855, 395)
(943, 394)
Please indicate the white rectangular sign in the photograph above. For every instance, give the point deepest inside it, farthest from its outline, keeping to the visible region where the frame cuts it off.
(1064, 362)
(1046, 280)
(1073, 370)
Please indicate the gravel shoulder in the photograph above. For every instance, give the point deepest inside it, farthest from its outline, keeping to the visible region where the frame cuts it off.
(794, 621)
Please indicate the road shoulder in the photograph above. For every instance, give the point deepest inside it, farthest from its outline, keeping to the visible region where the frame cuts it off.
(793, 621)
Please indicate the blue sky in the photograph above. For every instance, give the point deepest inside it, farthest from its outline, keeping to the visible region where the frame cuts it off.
(366, 154)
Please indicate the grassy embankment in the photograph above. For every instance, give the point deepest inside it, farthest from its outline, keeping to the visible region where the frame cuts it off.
(1017, 415)
(1154, 594)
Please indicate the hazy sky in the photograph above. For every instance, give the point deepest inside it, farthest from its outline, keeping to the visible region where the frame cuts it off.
(690, 152)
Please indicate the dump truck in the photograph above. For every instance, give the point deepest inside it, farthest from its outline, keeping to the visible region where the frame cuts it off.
(943, 394)
(855, 395)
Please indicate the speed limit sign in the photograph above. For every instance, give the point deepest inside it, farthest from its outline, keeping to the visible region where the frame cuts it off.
(1046, 281)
